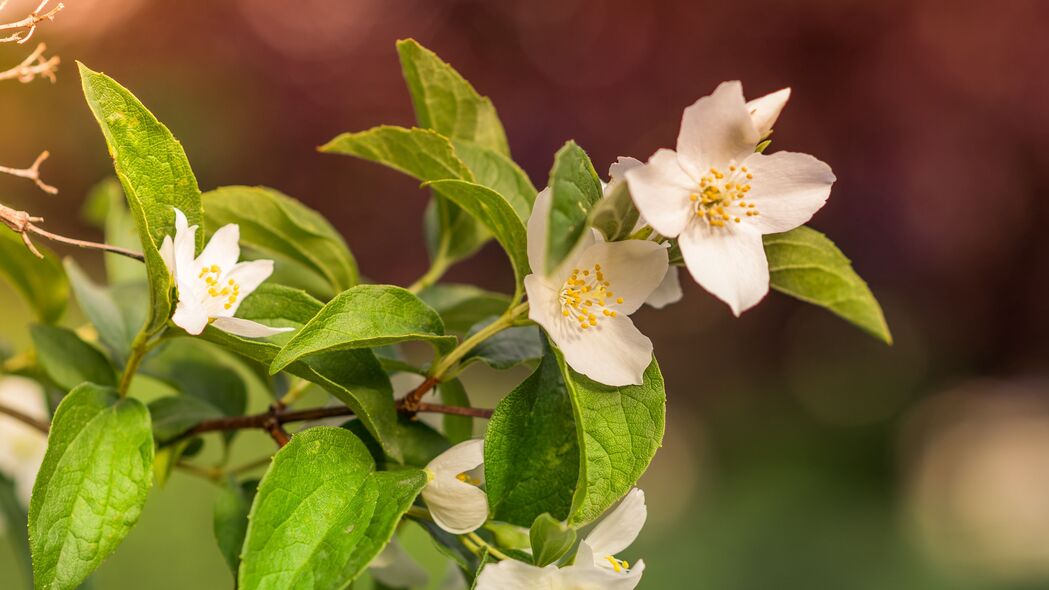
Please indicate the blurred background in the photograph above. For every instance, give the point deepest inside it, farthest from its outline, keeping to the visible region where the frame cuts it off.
(800, 453)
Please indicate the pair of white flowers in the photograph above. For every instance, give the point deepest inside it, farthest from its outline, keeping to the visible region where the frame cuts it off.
(716, 194)
(22, 447)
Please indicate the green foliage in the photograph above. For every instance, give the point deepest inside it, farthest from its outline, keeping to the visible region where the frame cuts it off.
(69, 361)
(615, 215)
(423, 154)
(364, 317)
(462, 306)
(14, 518)
(41, 282)
(574, 189)
(322, 513)
(275, 224)
(551, 539)
(152, 167)
(107, 209)
(198, 370)
(531, 450)
(456, 428)
(100, 307)
(499, 173)
(92, 485)
(173, 415)
(230, 523)
(509, 348)
(805, 264)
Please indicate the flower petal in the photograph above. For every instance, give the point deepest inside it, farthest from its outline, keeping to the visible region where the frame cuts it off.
(167, 254)
(787, 189)
(456, 506)
(620, 528)
(248, 276)
(190, 315)
(583, 576)
(668, 291)
(511, 574)
(538, 227)
(632, 268)
(395, 568)
(614, 352)
(765, 110)
(729, 262)
(716, 130)
(223, 250)
(184, 247)
(661, 190)
(617, 171)
(246, 328)
(463, 457)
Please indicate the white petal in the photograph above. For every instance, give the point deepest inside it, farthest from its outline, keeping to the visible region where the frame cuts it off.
(592, 578)
(765, 110)
(396, 569)
(463, 457)
(668, 291)
(661, 190)
(716, 130)
(614, 352)
(167, 254)
(246, 328)
(617, 171)
(456, 506)
(727, 261)
(190, 315)
(787, 188)
(633, 269)
(223, 250)
(538, 224)
(248, 276)
(544, 308)
(620, 528)
(511, 574)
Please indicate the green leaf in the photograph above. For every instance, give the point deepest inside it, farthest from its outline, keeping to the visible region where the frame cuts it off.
(462, 306)
(14, 517)
(175, 414)
(619, 431)
(230, 523)
(100, 307)
(365, 316)
(508, 348)
(551, 539)
(355, 377)
(615, 215)
(574, 189)
(531, 450)
(499, 173)
(152, 167)
(805, 264)
(445, 102)
(92, 485)
(423, 154)
(488, 207)
(41, 282)
(456, 428)
(273, 223)
(107, 209)
(322, 513)
(197, 369)
(69, 361)
(418, 441)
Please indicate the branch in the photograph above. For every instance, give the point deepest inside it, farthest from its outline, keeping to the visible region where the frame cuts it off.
(411, 401)
(40, 425)
(25, 224)
(33, 66)
(32, 173)
(25, 28)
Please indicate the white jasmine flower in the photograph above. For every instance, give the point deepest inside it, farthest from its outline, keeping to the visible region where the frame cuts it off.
(22, 447)
(455, 501)
(396, 569)
(212, 286)
(718, 197)
(596, 566)
(585, 304)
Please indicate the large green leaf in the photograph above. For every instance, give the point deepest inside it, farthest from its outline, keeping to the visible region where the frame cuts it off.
(422, 154)
(462, 306)
(499, 173)
(491, 209)
(353, 376)
(531, 450)
(69, 361)
(92, 485)
(805, 264)
(41, 282)
(152, 167)
(445, 102)
(230, 523)
(574, 189)
(365, 316)
(276, 224)
(619, 431)
(322, 513)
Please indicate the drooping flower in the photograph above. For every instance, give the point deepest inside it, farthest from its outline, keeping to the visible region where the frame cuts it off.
(585, 304)
(718, 196)
(596, 566)
(212, 286)
(455, 501)
(394, 568)
(22, 447)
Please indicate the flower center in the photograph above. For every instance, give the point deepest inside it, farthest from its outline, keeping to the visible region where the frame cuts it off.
(619, 565)
(466, 478)
(212, 277)
(721, 197)
(585, 295)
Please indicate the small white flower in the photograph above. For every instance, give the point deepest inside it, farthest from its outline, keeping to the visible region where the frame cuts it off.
(396, 569)
(455, 501)
(596, 566)
(22, 447)
(718, 197)
(585, 304)
(212, 286)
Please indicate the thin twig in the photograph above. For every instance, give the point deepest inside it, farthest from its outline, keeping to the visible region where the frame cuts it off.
(456, 410)
(23, 223)
(411, 401)
(28, 24)
(25, 418)
(32, 173)
(33, 66)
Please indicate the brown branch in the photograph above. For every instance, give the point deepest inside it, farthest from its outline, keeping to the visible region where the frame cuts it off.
(32, 173)
(456, 410)
(33, 66)
(410, 402)
(40, 425)
(23, 223)
(27, 26)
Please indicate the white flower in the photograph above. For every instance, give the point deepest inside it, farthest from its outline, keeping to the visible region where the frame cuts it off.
(396, 569)
(596, 566)
(455, 501)
(22, 447)
(585, 304)
(212, 286)
(718, 197)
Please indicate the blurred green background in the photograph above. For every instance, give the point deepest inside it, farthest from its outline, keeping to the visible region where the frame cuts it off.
(799, 452)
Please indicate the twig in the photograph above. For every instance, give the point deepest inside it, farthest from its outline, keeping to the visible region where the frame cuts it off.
(29, 23)
(25, 224)
(32, 173)
(411, 401)
(40, 425)
(457, 410)
(33, 66)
